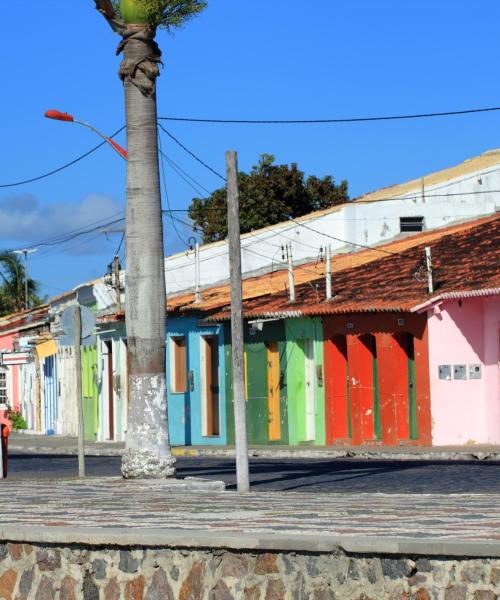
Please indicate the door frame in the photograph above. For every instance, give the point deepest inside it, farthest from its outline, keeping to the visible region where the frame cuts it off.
(209, 428)
(309, 389)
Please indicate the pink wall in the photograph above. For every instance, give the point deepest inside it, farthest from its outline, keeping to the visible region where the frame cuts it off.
(7, 343)
(465, 412)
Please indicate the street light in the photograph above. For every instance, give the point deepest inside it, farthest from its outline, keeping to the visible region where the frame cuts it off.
(62, 116)
(25, 251)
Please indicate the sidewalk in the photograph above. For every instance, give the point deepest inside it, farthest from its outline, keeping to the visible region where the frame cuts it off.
(39, 444)
(138, 540)
(118, 512)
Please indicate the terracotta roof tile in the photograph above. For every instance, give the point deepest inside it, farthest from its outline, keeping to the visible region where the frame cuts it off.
(349, 271)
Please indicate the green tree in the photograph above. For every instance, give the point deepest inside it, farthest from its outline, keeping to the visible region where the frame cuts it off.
(12, 291)
(269, 194)
(147, 452)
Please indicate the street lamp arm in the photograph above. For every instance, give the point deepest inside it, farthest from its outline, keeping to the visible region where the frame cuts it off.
(116, 147)
(57, 115)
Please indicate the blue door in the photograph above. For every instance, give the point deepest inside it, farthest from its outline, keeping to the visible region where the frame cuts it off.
(49, 372)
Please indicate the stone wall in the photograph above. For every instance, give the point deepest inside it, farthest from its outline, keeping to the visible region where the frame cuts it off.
(45, 572)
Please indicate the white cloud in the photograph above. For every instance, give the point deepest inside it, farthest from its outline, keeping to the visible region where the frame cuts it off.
(26, 221)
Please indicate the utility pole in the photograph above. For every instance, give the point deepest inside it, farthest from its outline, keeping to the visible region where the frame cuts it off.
(240, 421)
(118, 289)
(25, 251)
(328, 272)
(428, 260)
(290, 271)
(197, 292)
(77, 323)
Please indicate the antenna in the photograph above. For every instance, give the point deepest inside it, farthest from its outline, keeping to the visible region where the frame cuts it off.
(290, 271)
(428, 258)
(328, 272)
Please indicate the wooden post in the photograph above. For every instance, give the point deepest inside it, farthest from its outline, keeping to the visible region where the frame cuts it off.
(240, 424)
(328, 272)
(290, 271)
(77, 321)
(116, 262)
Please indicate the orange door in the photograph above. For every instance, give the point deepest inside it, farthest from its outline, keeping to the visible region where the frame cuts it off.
(273, 391)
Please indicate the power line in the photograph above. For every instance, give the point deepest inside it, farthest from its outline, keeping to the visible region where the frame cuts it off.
(117, 253)
(59, 169)
(345, 241)
(179, 143)
(166, 194)
(409, 196)
(330, 121)
(62, 236)
(181, 221)
(54, 251)
(71, 237)
(195, 185)
(49, 251)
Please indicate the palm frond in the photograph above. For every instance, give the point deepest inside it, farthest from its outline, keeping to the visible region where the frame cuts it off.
(168, 14)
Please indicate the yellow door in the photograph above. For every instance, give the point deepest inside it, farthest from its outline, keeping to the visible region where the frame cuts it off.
(273, 390)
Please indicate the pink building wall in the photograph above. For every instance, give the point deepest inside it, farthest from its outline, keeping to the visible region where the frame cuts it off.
(7, 343)
(466, 332)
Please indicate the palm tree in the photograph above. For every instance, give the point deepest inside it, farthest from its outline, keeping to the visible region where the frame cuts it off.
(12, 291)
(147, 453)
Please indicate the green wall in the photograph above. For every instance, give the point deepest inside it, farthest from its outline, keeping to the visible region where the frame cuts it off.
(257, 383)
(297, 331)
(90, 392)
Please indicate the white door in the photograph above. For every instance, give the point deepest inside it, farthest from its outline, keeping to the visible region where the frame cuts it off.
(309, 372)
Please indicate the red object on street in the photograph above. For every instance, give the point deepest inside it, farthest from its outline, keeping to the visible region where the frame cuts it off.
(5, 427)
(58, 115)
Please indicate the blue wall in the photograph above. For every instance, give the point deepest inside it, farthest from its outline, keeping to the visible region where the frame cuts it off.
(184, 409)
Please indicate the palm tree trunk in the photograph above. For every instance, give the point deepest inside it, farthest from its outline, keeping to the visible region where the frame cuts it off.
(147, 453)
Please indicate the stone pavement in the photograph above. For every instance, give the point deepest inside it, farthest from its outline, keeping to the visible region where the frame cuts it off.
(151, 513)
(40, 444)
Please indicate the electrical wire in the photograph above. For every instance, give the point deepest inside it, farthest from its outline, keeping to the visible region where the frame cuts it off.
(330, 121)
(78, 234)
(164, 180)
(62, 242)
(62, 236)
(59, 169)
(179, 143)
(284, 265)
(345, 241)
(54, 251)
(193, 184)
(117, 253)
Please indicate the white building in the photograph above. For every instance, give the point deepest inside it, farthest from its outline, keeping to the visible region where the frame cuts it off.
(466, 191)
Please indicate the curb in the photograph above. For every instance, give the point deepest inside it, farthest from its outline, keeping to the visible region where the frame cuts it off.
(189, 538)
(276, 453)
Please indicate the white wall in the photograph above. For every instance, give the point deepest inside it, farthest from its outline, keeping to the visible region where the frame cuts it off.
(362, 223)
(67, 418)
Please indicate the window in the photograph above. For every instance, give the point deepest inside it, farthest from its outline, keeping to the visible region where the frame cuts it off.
(409, 224)
(179, 365)
(3, 387)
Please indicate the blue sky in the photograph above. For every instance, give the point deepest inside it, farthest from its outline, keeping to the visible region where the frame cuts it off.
(274, 59)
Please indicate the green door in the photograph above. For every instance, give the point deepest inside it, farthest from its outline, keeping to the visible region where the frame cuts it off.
(256, 388)
(90, 392)
(412, 400)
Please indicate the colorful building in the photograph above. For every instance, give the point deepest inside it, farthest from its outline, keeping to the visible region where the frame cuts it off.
(400, 354)
(365, 366)
(28, 373)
